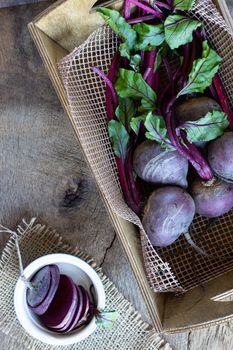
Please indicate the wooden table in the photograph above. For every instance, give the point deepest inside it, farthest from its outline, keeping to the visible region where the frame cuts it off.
(43, 172)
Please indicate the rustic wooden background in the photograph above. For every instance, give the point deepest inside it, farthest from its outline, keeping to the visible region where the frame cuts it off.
(43, 173)
(9, 3)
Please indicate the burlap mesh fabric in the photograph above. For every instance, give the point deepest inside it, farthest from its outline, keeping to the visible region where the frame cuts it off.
(176, 268)
(129, 332)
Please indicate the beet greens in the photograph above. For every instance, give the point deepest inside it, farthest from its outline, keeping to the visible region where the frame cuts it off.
(164, 58)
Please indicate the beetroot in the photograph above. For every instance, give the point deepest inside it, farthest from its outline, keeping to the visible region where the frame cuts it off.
(41, 283)
(86, 307)
(81, 312)
(213, 198)
(156, 165)
(44, 305)
(78, 313)
(62, 309)
(64, 306)
(168, 214)
(220, 156)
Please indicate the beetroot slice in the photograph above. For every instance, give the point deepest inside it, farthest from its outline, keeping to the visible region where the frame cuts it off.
(44, 305)
(86, 307)
(63, 306)
(41, 282)
(82, 311)
(77, 315)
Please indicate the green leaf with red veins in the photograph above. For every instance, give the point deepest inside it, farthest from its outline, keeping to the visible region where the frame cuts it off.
(179, 30)
(149, 36)
(203, 71)
(132, 84)
(119, 25)
(208, 128)
(157, 131)
(135, 123)
(119, 138)
(183, 5)
(125, 111)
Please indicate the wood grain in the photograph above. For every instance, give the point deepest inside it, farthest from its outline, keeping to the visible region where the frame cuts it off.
(43, 172)
(9, 3)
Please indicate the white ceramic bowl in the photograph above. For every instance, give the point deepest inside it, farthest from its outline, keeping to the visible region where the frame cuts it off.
(82, 274)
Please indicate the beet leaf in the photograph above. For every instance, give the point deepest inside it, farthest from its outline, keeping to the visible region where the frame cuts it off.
(156, 130)
(119, 25)
(149, 36)
(119, 138)
(134, 60)
(161, 52)
(208, 128)
(179, 30)
(183, 5)
(125, 111)
(131, 84)
(136, 122)
(203, 71)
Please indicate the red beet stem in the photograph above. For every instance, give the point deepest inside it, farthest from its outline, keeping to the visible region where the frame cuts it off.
(194, 156)
(223, 99)
(148, 9)
(131, 181)
(108, 94)
(126, 9)
(146, 74)
(141, 19)
(108, 83)
(149, 73)
(214, 93)
(162, 5)
(124, 185)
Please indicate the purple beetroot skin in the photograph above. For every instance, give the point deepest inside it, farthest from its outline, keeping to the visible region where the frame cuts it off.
(41, 282)
(154, 164)
(212, 199)
(44, 305)
(63, 307)
(220, 156)
(168, 213)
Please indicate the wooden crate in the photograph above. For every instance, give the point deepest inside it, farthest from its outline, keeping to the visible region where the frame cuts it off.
(56, 31)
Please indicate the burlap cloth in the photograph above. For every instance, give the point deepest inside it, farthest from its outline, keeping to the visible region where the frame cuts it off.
(129, 331)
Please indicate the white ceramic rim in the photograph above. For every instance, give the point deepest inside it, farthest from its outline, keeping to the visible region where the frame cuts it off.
(20, 293)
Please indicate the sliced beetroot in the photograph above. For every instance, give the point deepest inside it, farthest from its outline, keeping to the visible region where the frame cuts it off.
(41, 282)
(86, 307)
(63, 306)
(44, 305)
(82, 311)
(78, 313)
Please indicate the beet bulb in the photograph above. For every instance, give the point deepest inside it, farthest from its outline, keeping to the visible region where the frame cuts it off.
(220, 156)
(212, 198)
(168, 213)
(154, 164)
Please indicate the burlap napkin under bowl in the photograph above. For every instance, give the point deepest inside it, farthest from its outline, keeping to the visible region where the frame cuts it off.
(129, 331)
